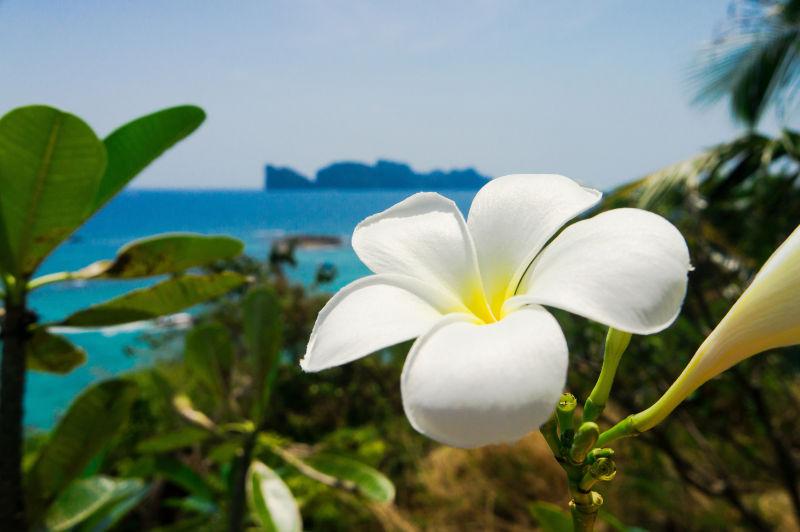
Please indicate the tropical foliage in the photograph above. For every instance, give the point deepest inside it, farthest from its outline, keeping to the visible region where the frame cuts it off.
(193, 441)
(754, 61)
(55, 174)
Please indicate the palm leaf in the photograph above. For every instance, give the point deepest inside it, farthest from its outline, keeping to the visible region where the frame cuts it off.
(755, 62)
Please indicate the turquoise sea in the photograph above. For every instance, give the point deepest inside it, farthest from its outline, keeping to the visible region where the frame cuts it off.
(255, 217)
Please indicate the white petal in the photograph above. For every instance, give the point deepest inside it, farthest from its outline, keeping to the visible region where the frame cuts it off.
(512, 218)
(625, 268)
(424, 237)
(468, 385)
(372, 313)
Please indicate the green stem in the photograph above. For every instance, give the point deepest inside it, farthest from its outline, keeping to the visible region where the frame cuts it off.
(50, 279)
(624, 429)
(584, 508)
(550, 433)
(616, 343)
(236, 509)
(581, 477)
(312, 473)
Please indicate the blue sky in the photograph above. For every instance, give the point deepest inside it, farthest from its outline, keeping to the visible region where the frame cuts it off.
(589, 89)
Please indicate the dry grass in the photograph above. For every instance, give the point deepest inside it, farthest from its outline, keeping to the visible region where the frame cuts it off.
(487, 489)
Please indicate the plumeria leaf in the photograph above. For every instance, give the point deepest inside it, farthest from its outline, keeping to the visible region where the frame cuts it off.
(166, 297)
(93, 419)
(185, 477)
(271, 501)
(92, 497)
(370, 482)
(132, 147)
(51, 163)
(162, 254)
(551, 518)
(52, 353)
(263, 329)
(195, 505)
(110, 514)
(171, 441)
(208, 354)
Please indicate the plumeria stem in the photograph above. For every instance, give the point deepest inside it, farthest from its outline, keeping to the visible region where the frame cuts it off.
(236, 511)
(15, 331)
(624, 429)
(584, 464)
(50, 279)
(550, 433)
(585, 461)
(616, 343)
(584, 508)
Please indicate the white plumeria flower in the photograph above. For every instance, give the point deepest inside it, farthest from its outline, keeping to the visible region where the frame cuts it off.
(489, 362)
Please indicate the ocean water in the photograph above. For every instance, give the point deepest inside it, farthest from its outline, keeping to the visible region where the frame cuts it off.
(255, 217)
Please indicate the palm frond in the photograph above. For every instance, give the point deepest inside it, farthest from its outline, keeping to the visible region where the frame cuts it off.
(710, 173)
(755, 62)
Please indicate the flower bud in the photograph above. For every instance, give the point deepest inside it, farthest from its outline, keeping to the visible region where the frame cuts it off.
(766, 316)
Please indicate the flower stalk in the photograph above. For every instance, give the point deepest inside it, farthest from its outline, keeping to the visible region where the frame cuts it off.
(616, 343)
(624, 429)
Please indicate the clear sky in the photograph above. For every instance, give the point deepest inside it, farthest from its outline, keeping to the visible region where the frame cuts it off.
(595, 90)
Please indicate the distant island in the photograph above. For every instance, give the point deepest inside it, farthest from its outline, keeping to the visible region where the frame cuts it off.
(381, 175)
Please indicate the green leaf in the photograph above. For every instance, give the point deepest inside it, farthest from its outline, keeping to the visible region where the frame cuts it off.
(162, 254)
(52, 353)
(109, 515)
(182, 475)
(224, 452)
(551, 518)
(209, 354)
(614, 523)
(132, 147)
(263, 330)
(370, 482)
(93, 419)
(194, 505)
(183, 437)
(87, 497)
(51, 163)
(167, 297)
(271, 502)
